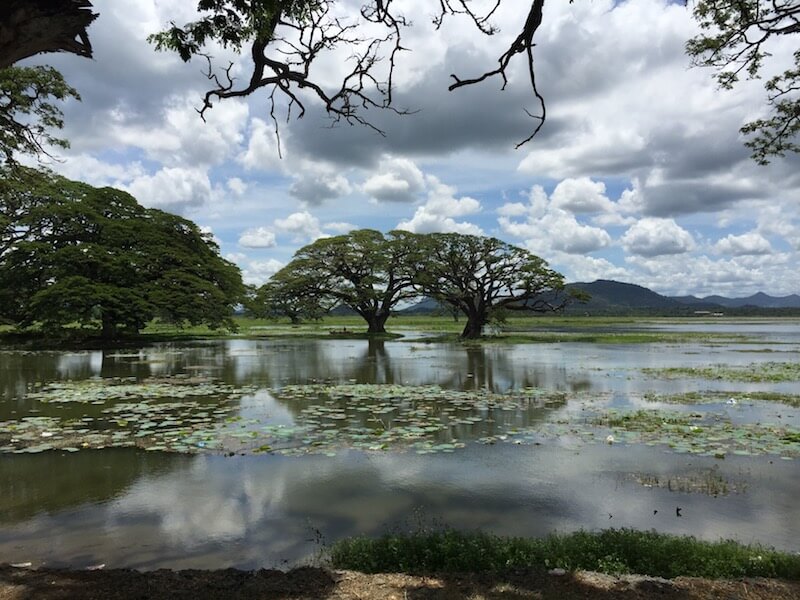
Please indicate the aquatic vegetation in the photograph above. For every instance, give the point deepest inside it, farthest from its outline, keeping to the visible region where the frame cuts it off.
(732, 398)
(198, 414)
(754, 373)
(707, 481)
(191, 415)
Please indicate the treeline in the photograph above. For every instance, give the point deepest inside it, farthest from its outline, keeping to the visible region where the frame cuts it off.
(74, 257)
(93, 258)
(372, 273)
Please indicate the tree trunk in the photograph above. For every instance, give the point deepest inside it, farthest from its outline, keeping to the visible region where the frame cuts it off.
(109, 327)
(474, 326)
(376, 322)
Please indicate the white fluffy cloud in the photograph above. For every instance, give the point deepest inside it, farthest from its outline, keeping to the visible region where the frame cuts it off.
(655, 237)
(740, 245)
(175, 189)
(260, 237)
(439, 212)
(581, 196)
(302, 226)
(396, 180)
(548, 227)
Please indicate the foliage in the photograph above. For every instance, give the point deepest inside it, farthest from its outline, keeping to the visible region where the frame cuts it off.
(363, 270)
(286, 295)
(27, 114)
(734, 41)
(481, 276)
(74, 254)
(611, 551)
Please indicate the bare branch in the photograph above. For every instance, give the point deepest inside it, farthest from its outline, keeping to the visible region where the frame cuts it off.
(522, 44)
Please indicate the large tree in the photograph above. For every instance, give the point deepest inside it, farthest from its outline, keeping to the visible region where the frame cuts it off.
(72, 253)
(478, 275)
(363, 270)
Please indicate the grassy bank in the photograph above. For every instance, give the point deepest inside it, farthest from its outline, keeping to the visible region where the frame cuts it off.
(613, 551)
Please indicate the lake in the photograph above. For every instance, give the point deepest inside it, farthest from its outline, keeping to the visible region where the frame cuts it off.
(257, 453)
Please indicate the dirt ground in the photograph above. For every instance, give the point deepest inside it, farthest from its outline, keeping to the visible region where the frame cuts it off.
(316, 583)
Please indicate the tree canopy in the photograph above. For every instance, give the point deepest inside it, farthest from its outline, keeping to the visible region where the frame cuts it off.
(481, 275)
(71, 253)
(372, 273)
(364, 270)
(735, 41)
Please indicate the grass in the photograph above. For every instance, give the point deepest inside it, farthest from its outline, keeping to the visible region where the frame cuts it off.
(547, 328)
(772, 372)
(720, 397)
(612, 551)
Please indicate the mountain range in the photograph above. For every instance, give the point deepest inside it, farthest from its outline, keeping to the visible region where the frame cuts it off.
(616, 297)
(606, 293)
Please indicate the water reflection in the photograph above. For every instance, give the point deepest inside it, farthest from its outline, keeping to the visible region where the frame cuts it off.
(149, 510)
(251, 512)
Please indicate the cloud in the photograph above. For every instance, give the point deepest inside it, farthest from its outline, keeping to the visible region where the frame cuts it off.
(548, 228)
(581, 196)
(302, 225)
(396, 180)
(741, 245)
(237, 186)
(655, 237)
(315, 187)
(339, 228)
(256, 272)
(437, 214)
(174, 189)
(262, 148)
(260, 237)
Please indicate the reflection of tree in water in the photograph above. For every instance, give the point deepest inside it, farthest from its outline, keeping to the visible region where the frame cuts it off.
(374, 365)
(53, 481)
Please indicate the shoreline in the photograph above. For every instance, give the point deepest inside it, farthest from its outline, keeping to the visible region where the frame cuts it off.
(317, 583)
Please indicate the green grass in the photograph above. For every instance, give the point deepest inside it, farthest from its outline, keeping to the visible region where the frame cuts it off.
(611, 551)
(720, 397)
(772, 372)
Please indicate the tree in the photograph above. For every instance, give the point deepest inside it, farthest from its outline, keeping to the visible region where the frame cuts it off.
(363, 270)
(27, 114)
(735, 41)
(287, 295)
(30, 27)
(285, 38)
(72, 253)
(479, 275)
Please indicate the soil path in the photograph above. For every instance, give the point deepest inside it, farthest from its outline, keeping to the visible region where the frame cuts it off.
(316, 583)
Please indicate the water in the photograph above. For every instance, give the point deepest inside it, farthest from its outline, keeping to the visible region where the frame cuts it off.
(126, 507)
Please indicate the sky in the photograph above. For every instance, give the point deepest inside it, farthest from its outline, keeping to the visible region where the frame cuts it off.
(639, 173)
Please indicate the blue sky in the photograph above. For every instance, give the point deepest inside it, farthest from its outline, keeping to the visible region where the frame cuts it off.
(638, 175)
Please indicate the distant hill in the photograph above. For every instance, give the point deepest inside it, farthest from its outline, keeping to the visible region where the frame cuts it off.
(619, 298)
(760, 300)
(606, 294)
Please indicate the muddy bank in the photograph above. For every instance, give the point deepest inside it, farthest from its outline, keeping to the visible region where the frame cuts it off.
(315, 583)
